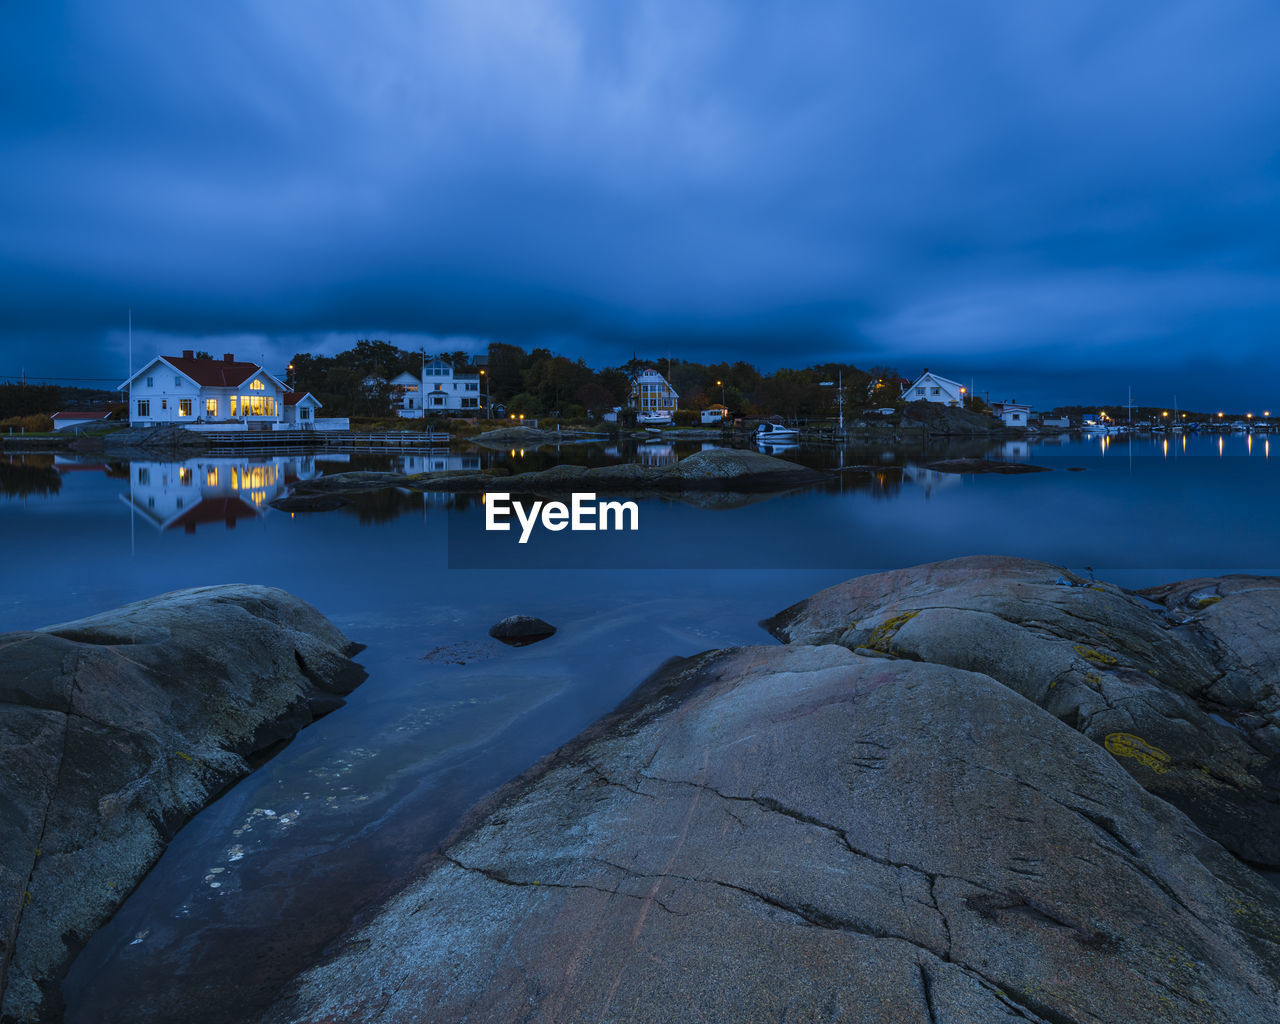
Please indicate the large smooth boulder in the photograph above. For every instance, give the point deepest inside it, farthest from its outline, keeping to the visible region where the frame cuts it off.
(807, 834)
(1183, 693)
(114, 730)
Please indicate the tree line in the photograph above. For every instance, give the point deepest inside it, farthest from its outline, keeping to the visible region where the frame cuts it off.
(540, 382)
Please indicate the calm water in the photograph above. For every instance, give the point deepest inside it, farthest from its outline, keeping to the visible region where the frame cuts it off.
(262, 880)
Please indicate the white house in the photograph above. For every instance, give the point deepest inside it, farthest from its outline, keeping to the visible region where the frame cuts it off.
(715, 414)
(1011, 413)
(438, 389)
(652, 397)
(63, 420)
(300, 409)
(930, 387)
(184, 390)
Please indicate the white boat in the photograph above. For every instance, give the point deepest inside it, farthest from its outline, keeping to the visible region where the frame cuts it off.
(773, 432)
(654, 417)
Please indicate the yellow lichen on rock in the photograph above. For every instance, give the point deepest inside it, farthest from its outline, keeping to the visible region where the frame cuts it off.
(1095, 656)
(884, 633)
(1126, 744)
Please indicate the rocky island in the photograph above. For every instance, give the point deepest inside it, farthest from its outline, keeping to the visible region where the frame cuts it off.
(986, 789)
(115, 730)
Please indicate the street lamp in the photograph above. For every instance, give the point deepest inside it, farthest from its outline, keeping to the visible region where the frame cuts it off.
(488, 405)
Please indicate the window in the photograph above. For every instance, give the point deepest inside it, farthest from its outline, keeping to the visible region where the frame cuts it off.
(256, 405)
(919, 391)
(144, 408)
(935, 391)
(304, 414)
(470, 403)
(211, 407)
(472, 387)
(151, 382)
(437, 400)
(184, 476)
(211, 477)
(234, 400)
(177, 381)
(144, 474)
(257, 385)
(411, 387)
(179, 503)
(184, 406)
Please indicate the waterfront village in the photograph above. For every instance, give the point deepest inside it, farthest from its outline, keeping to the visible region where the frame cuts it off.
(377, 386)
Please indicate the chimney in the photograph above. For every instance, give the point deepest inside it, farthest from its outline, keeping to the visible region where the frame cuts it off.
(188, 353)
(228, 357)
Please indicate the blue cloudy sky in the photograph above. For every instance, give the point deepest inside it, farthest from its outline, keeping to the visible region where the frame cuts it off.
(1056, 198)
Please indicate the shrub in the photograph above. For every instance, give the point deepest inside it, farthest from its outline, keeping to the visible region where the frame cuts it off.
(37, 423)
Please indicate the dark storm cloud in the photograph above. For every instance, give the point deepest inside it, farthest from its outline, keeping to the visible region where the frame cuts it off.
(994, 187)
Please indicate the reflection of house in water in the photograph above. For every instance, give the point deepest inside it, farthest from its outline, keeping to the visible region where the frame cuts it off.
(656, 455)
(429, 462)
(1015, 449)
(434, 462)
(929, 480)
(210, 490)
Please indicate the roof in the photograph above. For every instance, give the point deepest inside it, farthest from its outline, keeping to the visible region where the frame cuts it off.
(71, 415)
(207, 373)
(937, 377)
(294, 397)
(213, 373)
(214, 510)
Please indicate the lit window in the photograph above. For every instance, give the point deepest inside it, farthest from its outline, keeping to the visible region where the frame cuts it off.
(184, 475)
(257, 385)
(211, 407)
(184, 406)
(211, 477)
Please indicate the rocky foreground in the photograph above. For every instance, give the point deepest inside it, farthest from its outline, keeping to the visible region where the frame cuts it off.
(116, 729)
(982, 790)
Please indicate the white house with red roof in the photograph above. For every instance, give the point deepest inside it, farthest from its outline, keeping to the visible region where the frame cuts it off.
(184, 390)
(70, 418)
(300, 409)
(219, 394)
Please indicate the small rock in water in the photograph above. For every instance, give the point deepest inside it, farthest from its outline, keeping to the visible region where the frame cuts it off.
(518, 630)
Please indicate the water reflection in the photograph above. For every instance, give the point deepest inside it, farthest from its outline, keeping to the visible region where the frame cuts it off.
(204, 491)
(22, 475)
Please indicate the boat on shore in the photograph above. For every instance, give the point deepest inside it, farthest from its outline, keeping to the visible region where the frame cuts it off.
(773, 433)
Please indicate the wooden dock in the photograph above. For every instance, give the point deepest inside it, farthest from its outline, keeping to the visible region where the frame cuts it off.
(296, 442)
